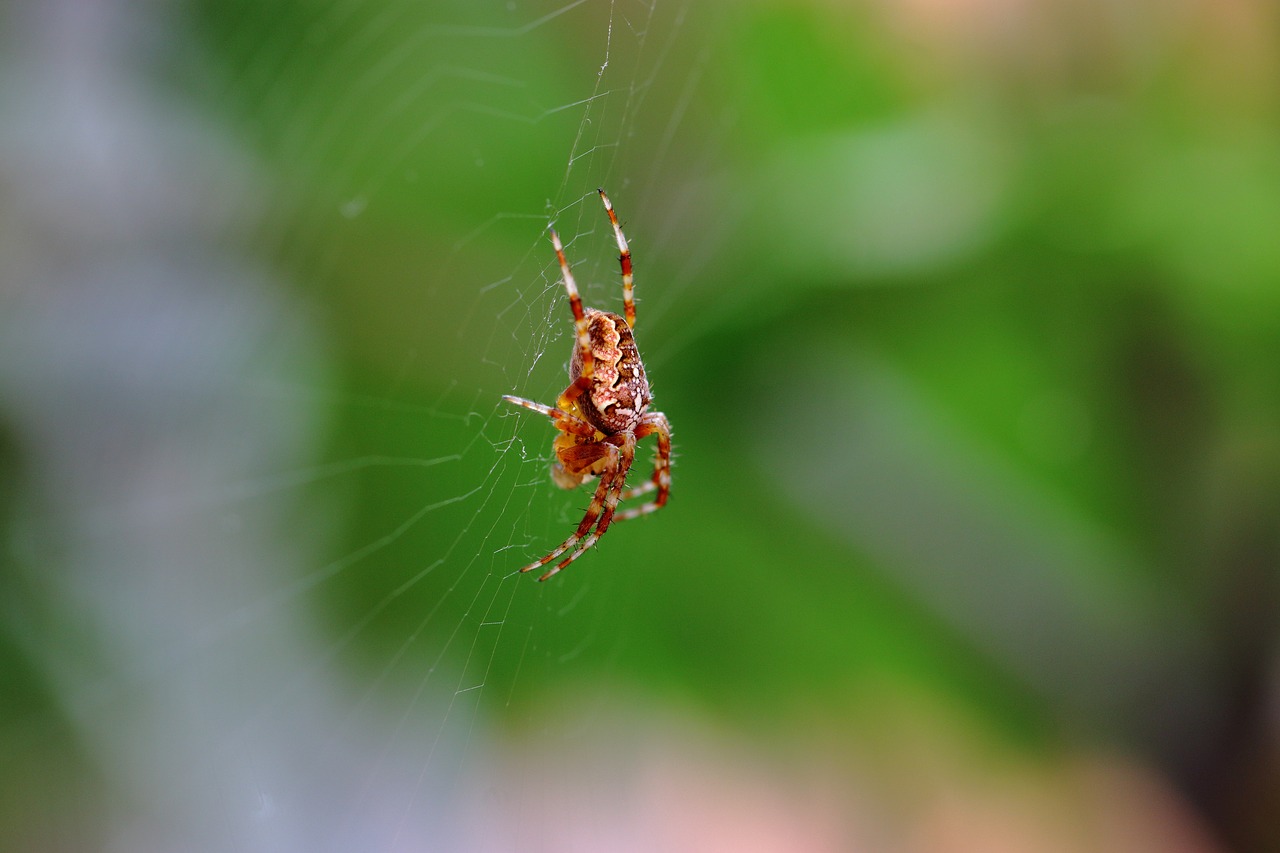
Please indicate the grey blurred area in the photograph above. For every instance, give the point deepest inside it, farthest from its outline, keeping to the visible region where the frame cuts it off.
(143, 355)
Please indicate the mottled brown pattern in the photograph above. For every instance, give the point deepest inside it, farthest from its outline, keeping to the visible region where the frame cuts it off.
(619, 392)
(603, 413)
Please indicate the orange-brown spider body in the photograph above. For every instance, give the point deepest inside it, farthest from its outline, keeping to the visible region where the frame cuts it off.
(603, 412)
(619, 392)
(614, 402)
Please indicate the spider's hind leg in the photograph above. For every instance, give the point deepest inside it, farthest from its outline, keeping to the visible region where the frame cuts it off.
(624, 260)
(583, 382)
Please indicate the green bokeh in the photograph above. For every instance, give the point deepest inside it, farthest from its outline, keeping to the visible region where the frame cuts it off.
(971, 345)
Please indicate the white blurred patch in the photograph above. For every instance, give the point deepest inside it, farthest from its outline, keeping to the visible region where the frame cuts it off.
(891, 200)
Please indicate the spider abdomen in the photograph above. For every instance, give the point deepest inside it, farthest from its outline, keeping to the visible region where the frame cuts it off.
(619, 392)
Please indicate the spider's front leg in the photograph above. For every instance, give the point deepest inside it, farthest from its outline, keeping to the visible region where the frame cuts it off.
(611, 462)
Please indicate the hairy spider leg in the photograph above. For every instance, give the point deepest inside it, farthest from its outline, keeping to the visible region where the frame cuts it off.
(593, 509)
(653, 423)
(583, 382)
(603, 503)
(564, 420)
(643, 489)
(624, 259)
(616, 477)
(650, 423)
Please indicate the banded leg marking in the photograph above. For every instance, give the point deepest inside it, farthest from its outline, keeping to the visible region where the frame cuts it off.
(579, 316)
(563, 419)
(624, 260)
(600, 510)
(653, 423)
(611, 497)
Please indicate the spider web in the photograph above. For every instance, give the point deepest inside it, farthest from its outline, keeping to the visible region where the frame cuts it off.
(447, 641)
(310, 615)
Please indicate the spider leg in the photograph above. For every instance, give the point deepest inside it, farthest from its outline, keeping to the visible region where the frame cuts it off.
(643, 489)
(564, 420)
(583, 382)
(653, 423)
(624, 259)
(611, 488)
(598, 500)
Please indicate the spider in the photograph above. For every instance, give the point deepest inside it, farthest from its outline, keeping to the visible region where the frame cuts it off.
(603, 413)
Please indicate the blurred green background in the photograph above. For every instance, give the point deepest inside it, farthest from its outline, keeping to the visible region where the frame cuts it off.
(966, 314)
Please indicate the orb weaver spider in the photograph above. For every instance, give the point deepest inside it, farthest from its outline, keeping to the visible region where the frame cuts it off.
(603, 413)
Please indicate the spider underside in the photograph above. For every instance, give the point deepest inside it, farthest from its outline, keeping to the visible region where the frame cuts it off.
(603, 413)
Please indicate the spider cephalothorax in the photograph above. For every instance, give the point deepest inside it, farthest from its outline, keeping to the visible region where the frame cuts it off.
(603, 412)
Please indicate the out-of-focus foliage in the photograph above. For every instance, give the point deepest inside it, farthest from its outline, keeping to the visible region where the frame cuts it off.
(966, 315)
